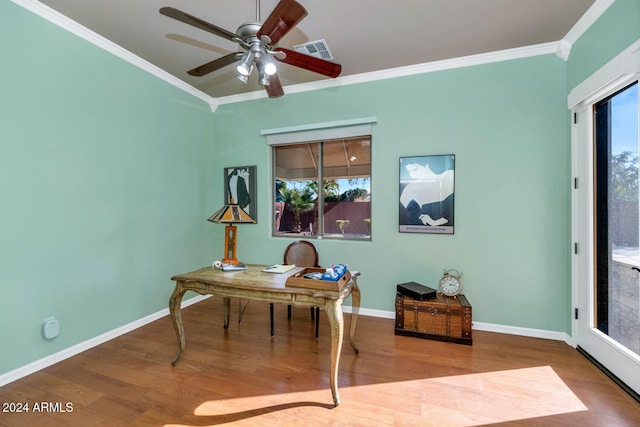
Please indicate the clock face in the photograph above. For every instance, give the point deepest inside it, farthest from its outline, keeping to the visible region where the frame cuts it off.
(450, 285)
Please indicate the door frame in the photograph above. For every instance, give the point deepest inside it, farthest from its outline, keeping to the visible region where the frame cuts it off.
(621, 71)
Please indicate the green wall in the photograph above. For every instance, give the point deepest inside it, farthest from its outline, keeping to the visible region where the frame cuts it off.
(105, 178)
(614, 31)
(507, 124)
(107, 174)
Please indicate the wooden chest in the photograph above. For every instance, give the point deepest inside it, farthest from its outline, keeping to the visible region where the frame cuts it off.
(442, 318)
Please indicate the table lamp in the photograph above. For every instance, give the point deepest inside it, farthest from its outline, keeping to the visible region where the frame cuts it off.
(230, 214)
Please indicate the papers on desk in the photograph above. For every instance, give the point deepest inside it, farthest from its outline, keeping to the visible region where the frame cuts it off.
(279, 268)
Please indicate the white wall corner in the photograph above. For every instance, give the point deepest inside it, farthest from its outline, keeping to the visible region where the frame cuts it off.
(213, 104)
(564, 49)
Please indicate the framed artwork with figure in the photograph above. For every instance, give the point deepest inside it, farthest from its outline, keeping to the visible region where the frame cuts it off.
(240, 185)
(427, 194)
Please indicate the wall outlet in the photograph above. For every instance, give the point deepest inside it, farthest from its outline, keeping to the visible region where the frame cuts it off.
(51, 328)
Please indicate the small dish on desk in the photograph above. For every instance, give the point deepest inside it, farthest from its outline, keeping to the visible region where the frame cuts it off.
(230, 267)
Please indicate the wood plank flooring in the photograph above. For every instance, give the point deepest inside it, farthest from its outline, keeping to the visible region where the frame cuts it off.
(245, 377)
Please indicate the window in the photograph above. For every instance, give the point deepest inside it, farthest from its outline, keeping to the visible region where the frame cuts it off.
(322, 188)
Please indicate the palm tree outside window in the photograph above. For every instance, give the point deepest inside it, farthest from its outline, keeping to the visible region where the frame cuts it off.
(321, 186)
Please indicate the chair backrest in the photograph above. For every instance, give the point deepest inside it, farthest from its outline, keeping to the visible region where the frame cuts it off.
(302, 253)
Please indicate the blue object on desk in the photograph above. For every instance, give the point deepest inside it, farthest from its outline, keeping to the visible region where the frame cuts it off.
(338, 271)
(333, 274)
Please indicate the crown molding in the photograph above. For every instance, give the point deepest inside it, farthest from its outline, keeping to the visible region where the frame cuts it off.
(562, 48)
(427, 67)
(590, 16)
(584, 23)
(85, 33)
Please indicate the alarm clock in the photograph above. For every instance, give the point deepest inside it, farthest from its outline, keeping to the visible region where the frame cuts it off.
(450, 283)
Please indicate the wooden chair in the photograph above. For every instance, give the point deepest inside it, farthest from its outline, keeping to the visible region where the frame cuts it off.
(302, 253)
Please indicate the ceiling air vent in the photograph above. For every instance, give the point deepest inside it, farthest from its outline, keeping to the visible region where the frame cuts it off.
(318, 48)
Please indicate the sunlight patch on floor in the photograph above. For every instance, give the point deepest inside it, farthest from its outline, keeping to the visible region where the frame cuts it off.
(471, 400)
(461, 400)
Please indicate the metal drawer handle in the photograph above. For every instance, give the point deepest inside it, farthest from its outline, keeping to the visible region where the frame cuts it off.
(432, 311)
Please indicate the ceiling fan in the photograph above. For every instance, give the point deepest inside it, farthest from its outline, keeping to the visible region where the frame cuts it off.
(259, 43)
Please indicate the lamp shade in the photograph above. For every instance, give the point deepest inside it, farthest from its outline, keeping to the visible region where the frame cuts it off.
(231, 214)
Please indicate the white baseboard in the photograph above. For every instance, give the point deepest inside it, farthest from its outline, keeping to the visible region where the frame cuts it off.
(525, 332)
(52, 359)
(481, 326)
(370, 312)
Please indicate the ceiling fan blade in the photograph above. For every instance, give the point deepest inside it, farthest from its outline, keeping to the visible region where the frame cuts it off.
(197, 22)
(282, 19)
(274, 88)
(215, 64)
(311, 63)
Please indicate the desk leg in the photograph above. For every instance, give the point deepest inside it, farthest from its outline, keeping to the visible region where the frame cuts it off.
(336, 323)
(226, 302)
(355, 309)
(176, 317)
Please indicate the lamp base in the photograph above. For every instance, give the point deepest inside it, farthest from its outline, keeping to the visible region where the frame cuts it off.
(230, 245)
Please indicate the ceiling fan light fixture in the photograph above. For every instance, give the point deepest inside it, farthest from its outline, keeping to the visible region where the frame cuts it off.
(269, 67)
(246, 64)
(244, 78)
(263, 77)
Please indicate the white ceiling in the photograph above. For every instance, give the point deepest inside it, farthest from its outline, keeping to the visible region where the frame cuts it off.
(363, 35)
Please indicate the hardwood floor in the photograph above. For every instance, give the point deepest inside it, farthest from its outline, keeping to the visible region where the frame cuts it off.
(246, 377)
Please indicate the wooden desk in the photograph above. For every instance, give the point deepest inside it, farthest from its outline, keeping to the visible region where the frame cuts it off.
(253, 284)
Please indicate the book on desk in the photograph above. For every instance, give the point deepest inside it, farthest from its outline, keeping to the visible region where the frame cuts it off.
(279, 268)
